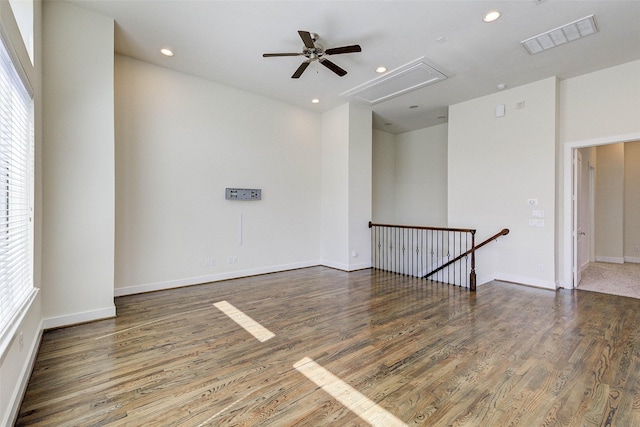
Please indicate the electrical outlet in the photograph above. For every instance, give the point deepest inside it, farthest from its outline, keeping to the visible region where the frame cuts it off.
(637, 249)
(540, 267)
(233, 260)
(210, 262)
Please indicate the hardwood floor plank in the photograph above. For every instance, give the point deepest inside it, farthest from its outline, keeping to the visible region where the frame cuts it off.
(427, 353)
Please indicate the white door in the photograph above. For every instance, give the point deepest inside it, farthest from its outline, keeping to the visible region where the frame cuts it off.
(580, 220)
(575, 190)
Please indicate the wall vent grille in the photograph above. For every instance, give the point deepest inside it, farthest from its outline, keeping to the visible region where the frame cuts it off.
(561, 35)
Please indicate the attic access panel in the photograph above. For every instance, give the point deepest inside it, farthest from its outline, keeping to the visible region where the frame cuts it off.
(407, 78)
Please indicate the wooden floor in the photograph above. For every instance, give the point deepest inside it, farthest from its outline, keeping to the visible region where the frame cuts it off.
(426, 354)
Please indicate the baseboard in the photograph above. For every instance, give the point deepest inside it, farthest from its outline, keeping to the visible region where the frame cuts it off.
(584, 266)
(336, 265)
(483, 280)
(86, 316)
(362, 266)
(198, 280)
(25, 375)
(632, 259)
(614, 260)
(526, 281)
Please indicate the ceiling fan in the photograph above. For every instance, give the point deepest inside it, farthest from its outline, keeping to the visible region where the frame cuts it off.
(314, 51)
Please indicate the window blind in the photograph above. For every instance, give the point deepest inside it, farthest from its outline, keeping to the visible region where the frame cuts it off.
(16, 193)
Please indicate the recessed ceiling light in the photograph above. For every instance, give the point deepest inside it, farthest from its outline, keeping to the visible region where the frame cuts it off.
(491, 16)
(315, 100)
(166, 51)
(501, 86)
(381, 70)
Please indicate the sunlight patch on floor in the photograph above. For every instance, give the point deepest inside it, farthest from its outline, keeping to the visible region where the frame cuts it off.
(261, 333)
(355, 401)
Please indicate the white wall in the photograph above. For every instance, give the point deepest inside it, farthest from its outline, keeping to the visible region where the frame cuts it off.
(346, 187)
(383, 178)
(597, 108)
(632, 201)
(495, 165)
(78, 171)
(180, 141)
(617, 201)
(600, 104)
(410, 177)
(609, 209)
(16, 357)
(421, 177)
(335, 187)
(360, 191)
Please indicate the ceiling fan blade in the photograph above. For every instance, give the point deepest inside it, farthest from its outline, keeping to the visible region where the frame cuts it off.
(269, 55)
(333, 67)
(306, 39)
(344, 49)
(300, 70)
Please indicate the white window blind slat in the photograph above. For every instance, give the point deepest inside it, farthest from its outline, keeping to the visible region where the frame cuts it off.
(16, 193)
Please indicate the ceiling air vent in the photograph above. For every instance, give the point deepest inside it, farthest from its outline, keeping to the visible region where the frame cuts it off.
(561, 35)
(411, 76)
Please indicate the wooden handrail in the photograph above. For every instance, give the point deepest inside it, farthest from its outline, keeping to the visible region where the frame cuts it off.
(503, 232)
(462, 230)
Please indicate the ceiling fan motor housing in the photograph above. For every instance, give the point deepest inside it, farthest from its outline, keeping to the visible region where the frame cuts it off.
(314, 53)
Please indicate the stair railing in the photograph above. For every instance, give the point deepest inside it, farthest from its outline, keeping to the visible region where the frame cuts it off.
(503, 232)
(441, 254)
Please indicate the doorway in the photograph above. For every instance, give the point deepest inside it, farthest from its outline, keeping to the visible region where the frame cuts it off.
(571, 207)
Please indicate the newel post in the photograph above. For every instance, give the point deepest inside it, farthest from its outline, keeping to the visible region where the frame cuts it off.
(472, 275)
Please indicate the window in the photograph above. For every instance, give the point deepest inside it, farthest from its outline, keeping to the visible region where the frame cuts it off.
(23, 12)
(16, 194)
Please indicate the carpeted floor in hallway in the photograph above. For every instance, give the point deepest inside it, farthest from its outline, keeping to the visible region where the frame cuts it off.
(610, 278)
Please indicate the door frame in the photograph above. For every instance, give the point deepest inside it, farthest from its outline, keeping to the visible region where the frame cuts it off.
(576, 194)
(592, 212)
(569, 240)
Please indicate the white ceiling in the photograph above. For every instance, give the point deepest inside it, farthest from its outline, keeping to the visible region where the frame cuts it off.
(223, 41)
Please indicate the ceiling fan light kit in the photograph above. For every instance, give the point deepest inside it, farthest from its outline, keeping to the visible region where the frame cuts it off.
(315, 51)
